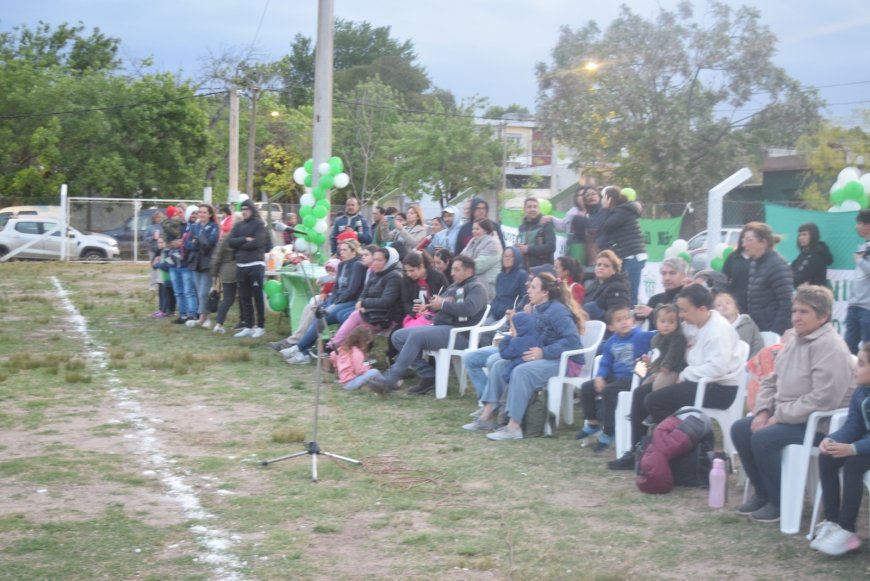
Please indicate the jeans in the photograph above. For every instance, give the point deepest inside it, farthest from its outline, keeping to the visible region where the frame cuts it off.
(761, 453)
(359, 381)
(185, 293)
(228, 297)
(524, 380)
(411, 343)
(202, 282)
(249, 282)
(854, 468)
(633, 268)
(475, 361)
(335, 314)
(857, 327)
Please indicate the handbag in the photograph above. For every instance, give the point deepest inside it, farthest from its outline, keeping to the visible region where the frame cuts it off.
(214, 297)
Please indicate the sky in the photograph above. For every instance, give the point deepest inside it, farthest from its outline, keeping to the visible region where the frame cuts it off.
(470, 47)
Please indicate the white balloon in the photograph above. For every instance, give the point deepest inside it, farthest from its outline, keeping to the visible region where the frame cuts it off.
(865, 181)
(671, 252)
(301, 245)
(324, 169)
(850, 206)
(299, 176)
(847, 174)
(681, 245)
(720, 248)
(837, 185)
(243, 197)
(307, 200)
(321, 226)
(341, 180)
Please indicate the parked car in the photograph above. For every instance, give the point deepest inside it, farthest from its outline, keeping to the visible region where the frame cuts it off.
(19, 231)
(14, 211)
(264, 208)
(698, 244)
(124, 233)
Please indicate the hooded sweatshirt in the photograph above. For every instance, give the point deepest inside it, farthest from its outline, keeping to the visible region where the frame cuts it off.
(464, 236)
(250, 252)
(446, 238)
(811, 265)
(513, 347)
(510, 286)
(381, 296)
(748, 332)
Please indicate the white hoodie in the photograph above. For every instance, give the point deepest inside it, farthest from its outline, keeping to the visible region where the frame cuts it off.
(713, 354)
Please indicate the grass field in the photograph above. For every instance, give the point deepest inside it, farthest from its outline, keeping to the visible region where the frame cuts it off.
(131, 449)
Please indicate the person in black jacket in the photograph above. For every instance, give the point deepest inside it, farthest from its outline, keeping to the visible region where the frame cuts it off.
(479, 211)
(461, 305)
(770, 288)
(622, 234)
(250, 242)
(609, 289)
(811, 265)
(537, 238)
(421, 282)
(736, 270)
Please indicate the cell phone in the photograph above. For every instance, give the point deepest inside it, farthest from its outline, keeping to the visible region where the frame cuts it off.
(641, 369)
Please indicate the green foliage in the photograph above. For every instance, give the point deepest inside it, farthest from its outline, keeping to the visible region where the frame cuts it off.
(667, 105)
(827, 151)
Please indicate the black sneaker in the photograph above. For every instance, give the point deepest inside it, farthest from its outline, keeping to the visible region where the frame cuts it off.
(179, 321)
(379, 386)
(426, 385)
(279, 345)
(238, 326)
(624, 462)
(751, 505)
(648, 421)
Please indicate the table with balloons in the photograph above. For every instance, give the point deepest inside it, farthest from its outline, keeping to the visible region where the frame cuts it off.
(293, 269)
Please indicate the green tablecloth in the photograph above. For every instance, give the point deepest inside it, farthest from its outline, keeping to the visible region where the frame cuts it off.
(299, 284)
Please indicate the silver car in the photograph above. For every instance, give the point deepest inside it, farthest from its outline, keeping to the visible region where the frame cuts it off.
(21, 231)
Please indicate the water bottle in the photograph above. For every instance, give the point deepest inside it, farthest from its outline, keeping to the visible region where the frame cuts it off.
(718, 484)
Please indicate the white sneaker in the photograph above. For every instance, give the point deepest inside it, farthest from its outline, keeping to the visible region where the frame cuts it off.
(219, 329)
(258, 332)
(206, 324)
(289, 352)
(838, 541)
(822, 530)
(299, 359)
(191, 323)
(245, 332)
(506, 434)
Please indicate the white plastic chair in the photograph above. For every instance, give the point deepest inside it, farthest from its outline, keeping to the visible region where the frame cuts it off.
(838, 418)
(770, 338)
(559, 399)
(474, 343)
(444, 357)
(622, 421)
(725, 418)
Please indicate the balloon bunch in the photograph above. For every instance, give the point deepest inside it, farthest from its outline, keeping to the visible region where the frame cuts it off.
(275, 297)
(849, 193)
(678, 249)
(314, 203)
(721, 253)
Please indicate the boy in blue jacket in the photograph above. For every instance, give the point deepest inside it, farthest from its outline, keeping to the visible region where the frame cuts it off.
(618, 357)
(847, 448)
(524, 336)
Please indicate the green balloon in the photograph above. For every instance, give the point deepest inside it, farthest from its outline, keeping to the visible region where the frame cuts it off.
(685, 256)
(727, 252)
(630, 194)
(272, 287)
(854, 190)
(319, 192)
(327, 181)
(307, 181)
(305, 211)
(309, 166)
(317, 238)
(309, 221)
(717, 263)
(838, 196)
(336, 166)
(545, 206)
(319, 212)
(322, 204)
(278, 302)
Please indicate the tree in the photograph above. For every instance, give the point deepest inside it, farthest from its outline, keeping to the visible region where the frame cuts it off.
(442, 152)
(512, 111)
(827, 151)
(665, 102)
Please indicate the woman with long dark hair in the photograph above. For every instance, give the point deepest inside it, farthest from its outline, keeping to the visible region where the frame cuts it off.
(811, 265)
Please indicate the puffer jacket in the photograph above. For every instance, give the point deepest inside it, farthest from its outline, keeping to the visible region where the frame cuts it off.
(510, 286)
(602, 296)
(811, 265)
(557, 329)
(249, 251)
(223, 265)
(768, 293)
(621, 231)
(380, 297)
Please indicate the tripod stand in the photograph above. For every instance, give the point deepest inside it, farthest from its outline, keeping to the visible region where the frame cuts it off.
(312, 448)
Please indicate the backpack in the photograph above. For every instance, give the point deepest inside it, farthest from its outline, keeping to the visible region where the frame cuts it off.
(537, 417)
(676, 453)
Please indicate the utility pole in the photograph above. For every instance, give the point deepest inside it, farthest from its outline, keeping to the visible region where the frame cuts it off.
(233, 190)
(322, 138)
(252, 143)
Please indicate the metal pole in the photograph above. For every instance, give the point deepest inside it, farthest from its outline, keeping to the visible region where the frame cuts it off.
(64, 223)
(715, 198)
(233, 186)
(252, 144)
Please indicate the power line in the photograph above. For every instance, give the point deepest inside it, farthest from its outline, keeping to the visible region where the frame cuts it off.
(260, 24)
(110, 107)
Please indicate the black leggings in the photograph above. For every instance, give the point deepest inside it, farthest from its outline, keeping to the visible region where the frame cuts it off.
(227, 300)
(250, 287)
(854, 468)
(662, 403)
(609, 398)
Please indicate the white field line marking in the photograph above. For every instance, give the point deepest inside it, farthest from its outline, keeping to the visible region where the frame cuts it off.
(215, 543)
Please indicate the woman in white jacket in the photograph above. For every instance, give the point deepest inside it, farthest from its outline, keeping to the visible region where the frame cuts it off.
(712, 354)
(485, 249)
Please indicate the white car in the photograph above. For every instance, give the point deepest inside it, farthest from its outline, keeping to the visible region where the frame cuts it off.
(18, 232)
(698, 244)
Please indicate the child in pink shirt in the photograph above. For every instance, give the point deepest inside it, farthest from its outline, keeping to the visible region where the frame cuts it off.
(349, 360)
